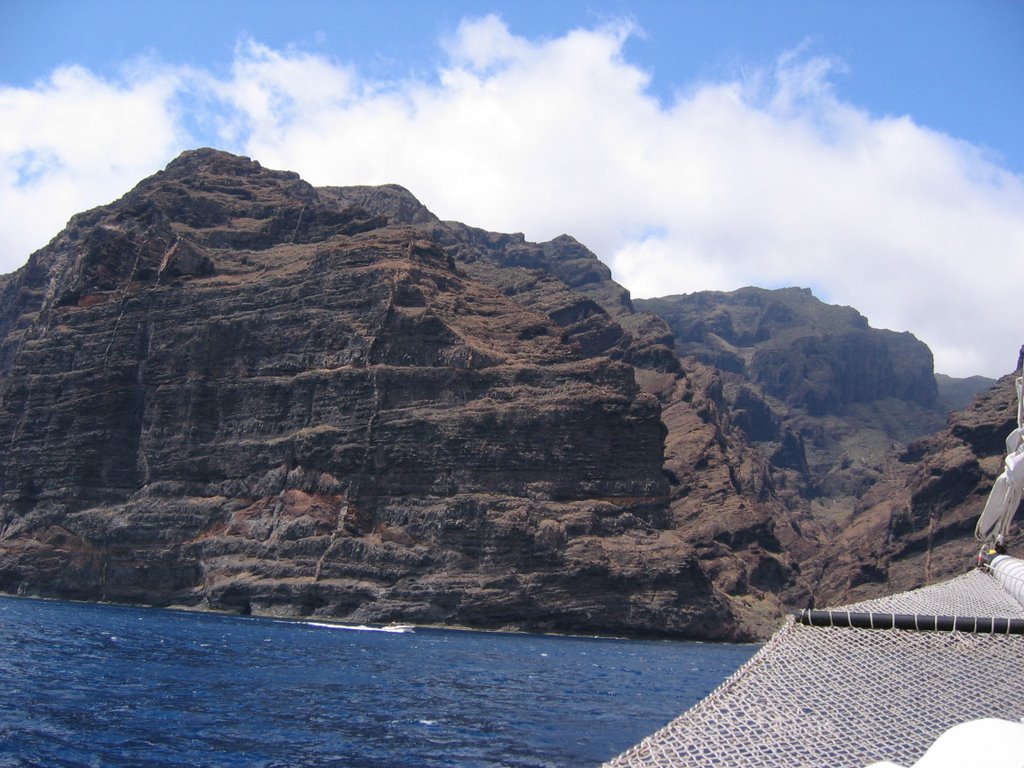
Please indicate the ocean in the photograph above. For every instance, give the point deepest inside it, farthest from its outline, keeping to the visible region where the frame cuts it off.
(116, 686)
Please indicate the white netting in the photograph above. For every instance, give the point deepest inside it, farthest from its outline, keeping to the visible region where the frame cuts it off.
(972, 594)
(829, 696)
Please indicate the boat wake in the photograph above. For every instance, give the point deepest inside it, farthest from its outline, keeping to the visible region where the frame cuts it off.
(392, 628)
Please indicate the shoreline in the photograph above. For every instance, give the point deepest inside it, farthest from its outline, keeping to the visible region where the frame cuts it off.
(335, 622)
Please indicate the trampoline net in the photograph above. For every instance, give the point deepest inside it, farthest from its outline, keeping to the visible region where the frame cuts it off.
(836, 696)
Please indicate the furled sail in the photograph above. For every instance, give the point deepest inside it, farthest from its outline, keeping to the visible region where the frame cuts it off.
(1006, 494)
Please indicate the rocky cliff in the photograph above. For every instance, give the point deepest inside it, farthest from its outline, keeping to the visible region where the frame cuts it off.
(817, 357)
(853, 488)
(231, 390)
(917, 525)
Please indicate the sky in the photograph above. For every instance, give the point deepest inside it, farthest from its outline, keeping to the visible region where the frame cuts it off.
(871, 151)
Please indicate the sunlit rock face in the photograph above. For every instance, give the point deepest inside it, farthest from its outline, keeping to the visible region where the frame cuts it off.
(229, 389)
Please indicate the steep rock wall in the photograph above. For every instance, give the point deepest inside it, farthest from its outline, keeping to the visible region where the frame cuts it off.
(231, 390)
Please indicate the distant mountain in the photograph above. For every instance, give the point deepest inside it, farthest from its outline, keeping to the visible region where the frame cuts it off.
(850, 422)
(822, 395)
(818, 358)
(956, 394)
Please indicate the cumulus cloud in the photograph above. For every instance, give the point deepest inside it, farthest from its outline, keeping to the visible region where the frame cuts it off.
(75, 141)
(767, 179)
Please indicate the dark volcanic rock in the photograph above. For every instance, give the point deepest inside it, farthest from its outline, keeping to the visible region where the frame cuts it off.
(917, 526)
(724, 501)
(230, 389)
(814, 356)
(827, 403)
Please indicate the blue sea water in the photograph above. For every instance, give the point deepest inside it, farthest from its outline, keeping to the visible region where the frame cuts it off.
(102, 685)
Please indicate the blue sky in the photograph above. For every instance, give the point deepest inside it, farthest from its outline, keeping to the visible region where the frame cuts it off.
(955, 66)
(872, 151)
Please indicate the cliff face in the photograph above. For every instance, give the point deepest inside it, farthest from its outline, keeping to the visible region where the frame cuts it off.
(821, 394)
(829, 429)
(230, 389)
(917, 526)
(813, 356)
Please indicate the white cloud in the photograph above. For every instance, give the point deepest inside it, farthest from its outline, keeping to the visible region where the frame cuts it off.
(73, 142)
(481, 43)
(269, 90)
(770, 179)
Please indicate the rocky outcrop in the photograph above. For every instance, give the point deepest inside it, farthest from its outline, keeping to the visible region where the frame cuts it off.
(231, 390)
(917, 526)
